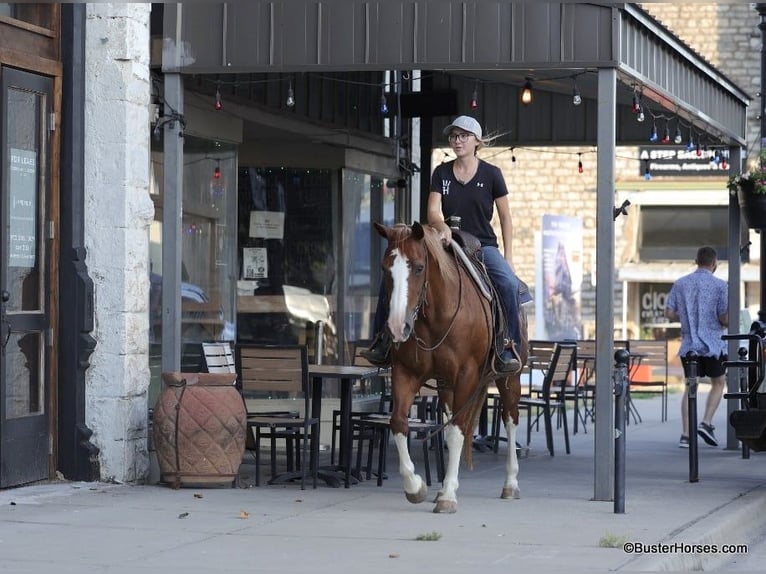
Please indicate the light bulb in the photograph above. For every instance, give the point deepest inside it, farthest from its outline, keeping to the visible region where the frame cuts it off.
(653, 134)
(290, 102)
(526, 93)
(383, 105)
(636, 107)
(640, 117)
(217, 173)
(666, 136)
(579, 167)
(475, 98)
(678, 138)
(218, 104)
(576, 97)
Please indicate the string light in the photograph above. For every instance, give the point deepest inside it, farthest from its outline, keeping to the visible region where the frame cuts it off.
(653, 134)
(647, 173)
(690, 143)
(636, 102)
(475, 96)
(666, 134)
(218, 104)
(576, 96)
(290, 102)
(640, 117)
(217, 171)
(579, 162)
(383, 104)
(513, 155)
(526, 93)
(678, 139)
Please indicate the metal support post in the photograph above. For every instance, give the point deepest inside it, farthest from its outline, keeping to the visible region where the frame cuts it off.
(742, 375)
(621, 359)
(691, 389)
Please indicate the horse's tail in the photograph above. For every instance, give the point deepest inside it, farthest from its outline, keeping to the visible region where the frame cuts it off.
(473, 419)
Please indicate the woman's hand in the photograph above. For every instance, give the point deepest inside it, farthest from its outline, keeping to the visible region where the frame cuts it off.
(445, 233)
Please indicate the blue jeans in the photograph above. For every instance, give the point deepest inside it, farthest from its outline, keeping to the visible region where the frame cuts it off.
(505, 281)
(507, 285)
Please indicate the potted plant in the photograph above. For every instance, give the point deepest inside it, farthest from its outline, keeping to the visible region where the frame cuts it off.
(750, 188)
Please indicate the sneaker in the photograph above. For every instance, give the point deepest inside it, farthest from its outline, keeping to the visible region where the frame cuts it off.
(705, 431)
(684, 442)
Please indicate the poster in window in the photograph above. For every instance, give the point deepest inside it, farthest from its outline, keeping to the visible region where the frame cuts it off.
(267, 224)
(22, 212)
(254, 263)
(562, 277)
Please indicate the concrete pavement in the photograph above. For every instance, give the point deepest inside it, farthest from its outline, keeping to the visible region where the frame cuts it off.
(116, 529)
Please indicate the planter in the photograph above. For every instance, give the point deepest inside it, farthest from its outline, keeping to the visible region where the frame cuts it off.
(753, 207)
(199, 429)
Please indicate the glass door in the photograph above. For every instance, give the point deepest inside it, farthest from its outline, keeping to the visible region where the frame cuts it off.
(25, 334)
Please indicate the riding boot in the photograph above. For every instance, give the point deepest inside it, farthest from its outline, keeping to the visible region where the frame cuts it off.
(379, 353)
(508, 362)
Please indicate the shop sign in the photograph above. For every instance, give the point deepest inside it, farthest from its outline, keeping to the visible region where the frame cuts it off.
(652, 299)
(680, 161)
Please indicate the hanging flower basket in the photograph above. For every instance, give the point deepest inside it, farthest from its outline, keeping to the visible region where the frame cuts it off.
(751, 194)
(752, 205)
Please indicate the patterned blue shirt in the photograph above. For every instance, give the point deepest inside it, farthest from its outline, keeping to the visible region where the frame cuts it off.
(699, 299)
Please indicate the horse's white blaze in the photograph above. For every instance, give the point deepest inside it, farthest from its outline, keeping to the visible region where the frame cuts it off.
(398, 305)
(412, 482)
(511, 461)
(454, 437)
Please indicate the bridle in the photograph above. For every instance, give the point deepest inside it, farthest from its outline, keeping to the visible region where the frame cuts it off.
(422, 345)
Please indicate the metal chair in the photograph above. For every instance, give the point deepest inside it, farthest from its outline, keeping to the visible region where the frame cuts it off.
(654, 355)
(557, 375)
(280, 371)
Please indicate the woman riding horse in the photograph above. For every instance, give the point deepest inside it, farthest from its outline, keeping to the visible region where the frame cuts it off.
(441, 325)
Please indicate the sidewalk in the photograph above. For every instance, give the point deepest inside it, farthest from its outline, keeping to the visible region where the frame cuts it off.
(83, 527)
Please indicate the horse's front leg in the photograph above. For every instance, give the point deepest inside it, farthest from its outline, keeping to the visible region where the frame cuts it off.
(415, 488)
(510, 392)
(511, 486)
(446, 502)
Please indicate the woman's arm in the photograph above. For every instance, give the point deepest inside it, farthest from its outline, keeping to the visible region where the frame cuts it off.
(436, 217)
(503, 207)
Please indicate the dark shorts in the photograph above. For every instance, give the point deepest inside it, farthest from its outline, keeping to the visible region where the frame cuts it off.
(707, 366)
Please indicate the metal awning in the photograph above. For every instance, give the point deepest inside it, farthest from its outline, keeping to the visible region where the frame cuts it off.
(612, 50)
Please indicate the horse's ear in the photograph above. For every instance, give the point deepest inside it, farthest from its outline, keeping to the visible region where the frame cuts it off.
(417, 231)
(381, 229)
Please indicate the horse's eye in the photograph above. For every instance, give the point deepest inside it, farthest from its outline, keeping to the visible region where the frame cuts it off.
(418, 269)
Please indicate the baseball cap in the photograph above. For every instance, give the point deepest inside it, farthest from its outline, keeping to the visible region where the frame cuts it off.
(466, 123)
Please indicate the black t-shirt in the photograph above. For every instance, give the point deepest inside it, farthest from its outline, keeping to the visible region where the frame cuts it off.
(473, 202)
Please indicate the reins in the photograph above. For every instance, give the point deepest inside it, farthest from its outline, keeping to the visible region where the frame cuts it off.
(422, 299)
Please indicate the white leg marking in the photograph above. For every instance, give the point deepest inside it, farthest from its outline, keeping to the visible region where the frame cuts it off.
(412, 482)
(511, 462)
(398, 305)
(454, 438)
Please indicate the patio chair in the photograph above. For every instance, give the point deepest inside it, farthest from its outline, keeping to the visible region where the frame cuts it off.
(557, 375)
(274, 372)
(649, 372)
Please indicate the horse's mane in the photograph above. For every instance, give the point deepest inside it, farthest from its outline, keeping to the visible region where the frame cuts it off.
(444, 261)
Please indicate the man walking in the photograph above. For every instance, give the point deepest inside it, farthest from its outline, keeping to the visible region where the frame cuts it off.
(700, 301)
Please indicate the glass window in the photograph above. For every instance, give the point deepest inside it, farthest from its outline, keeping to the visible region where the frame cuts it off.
(207, 259)
(287, 260)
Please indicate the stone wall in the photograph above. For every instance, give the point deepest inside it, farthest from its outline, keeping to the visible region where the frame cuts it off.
(118, 211)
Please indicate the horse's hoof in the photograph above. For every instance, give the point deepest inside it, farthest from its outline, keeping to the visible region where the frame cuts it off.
(437, 497)
(510, 493)
(419, 496)
(445, 507)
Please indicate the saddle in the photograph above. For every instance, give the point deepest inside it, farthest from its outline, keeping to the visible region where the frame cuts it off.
(468, 251)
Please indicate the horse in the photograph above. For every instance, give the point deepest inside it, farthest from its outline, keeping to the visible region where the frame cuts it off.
(441, 326)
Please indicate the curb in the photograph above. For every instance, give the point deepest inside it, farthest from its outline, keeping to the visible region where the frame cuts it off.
(736, 522)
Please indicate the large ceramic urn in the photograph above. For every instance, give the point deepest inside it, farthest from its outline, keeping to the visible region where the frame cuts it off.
(199, 428)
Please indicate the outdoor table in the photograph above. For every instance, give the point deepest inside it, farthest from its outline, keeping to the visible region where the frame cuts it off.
(347, 374)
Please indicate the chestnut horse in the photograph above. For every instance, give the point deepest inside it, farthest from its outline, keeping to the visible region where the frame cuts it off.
(442, 329)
